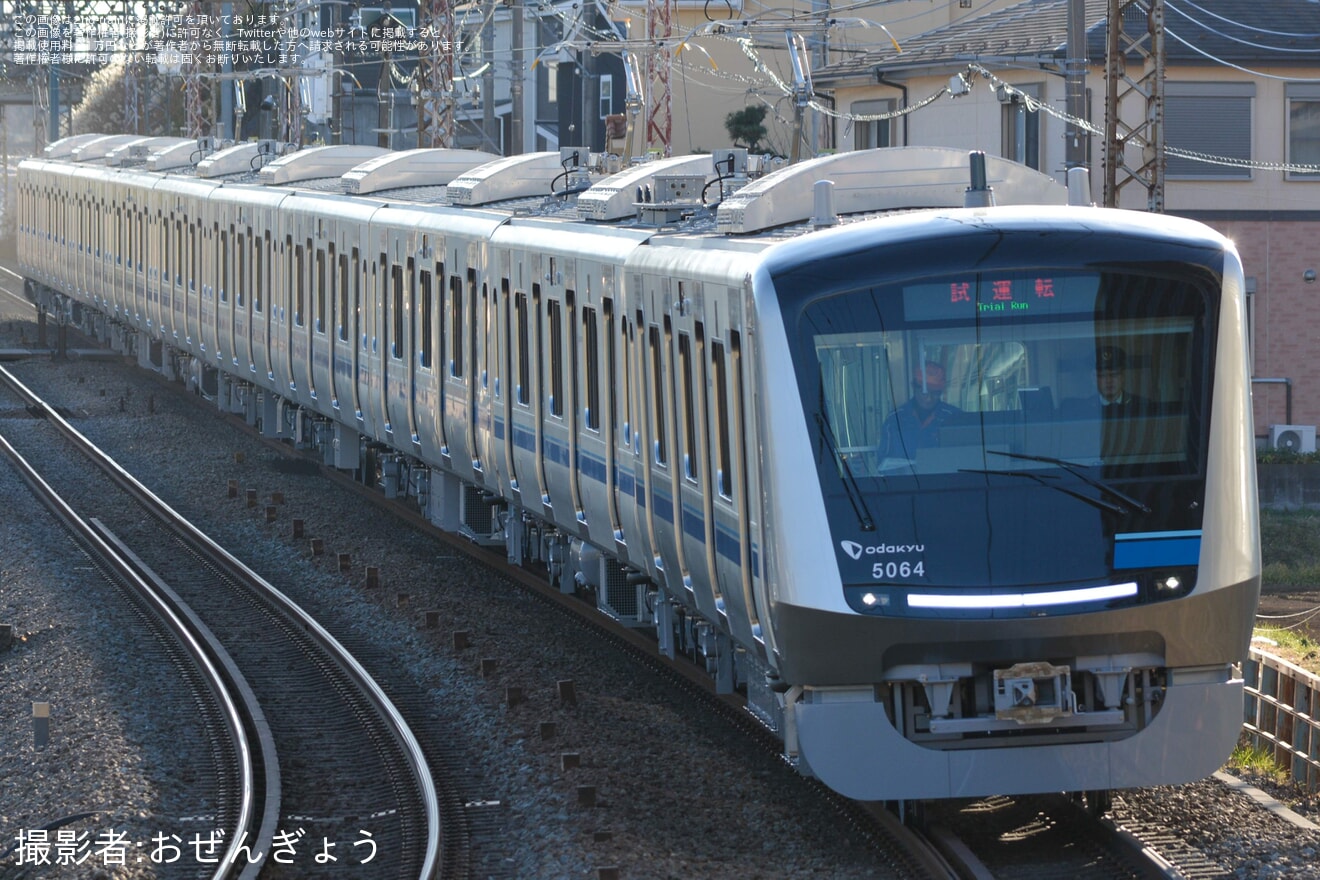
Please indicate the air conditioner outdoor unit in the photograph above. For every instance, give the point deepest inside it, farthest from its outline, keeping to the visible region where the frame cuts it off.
(1293, 438)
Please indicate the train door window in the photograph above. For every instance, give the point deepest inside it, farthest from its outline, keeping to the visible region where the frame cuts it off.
(487, 339)
(658, 395)
(358, 271)
(396, 311)
(470, 315)
(524, 370)
(426, 334)
(502, 361)
(321, 280)
(685, 368)
(240, 266)
(178, 252)
(165, 251)
(259, 268)
(591, 369)
(455, 326)
(300, 283)
(607, 309)
(554, 317)
(288, 296)
(627, 348)
(410, 305)
(723, 440)
(223, 256)
(341, 314)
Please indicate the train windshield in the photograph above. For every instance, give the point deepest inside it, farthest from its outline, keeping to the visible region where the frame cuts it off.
(1005, 427)
(1011, 372)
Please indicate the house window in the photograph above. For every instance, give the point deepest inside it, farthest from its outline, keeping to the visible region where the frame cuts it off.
(869, 134)
(1303, 128)
(1021, 125)
(606, 94)
(1211, 118)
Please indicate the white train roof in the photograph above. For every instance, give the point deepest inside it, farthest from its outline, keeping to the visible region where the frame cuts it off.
(615, 197)
(64, 147)
(889, 178)
(411, 168)
(512, 177)
(315, 162)
(94, 150)
(140, 149)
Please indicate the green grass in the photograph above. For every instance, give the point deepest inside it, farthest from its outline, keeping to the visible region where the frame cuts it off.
(1288, 643)
(1290, 548)
(1247, 759)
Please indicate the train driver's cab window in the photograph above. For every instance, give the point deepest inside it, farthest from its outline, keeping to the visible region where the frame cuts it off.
(936, 378)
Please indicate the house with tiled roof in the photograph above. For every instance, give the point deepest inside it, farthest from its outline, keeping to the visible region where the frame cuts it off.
(1241, 124)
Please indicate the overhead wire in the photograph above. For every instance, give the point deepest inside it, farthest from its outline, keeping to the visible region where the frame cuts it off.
(1172, 8)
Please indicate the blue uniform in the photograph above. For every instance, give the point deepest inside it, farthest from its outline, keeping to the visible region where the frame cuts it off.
(908, 429)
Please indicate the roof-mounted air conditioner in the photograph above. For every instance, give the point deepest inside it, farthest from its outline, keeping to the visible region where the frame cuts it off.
(1293, 438)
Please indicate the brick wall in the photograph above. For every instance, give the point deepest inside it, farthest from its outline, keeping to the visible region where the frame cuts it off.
(1286, 324)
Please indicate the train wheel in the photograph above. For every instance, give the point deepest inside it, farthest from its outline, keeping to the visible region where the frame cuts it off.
(1098, 802)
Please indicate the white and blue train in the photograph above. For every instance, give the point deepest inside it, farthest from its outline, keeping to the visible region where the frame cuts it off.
(963, 497)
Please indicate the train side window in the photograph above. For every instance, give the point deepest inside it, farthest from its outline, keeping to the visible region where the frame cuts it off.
(524, 368)
(723, 440)
(424, 318)
(396, 311)
(658, 395)
(689, 407)
(341, 328)
(554, 316)
(591, 368)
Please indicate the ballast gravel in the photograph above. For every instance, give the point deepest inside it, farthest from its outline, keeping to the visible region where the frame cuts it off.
(676, 795)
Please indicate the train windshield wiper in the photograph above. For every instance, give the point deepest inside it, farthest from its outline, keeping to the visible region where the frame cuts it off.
(850, 486)
(1130, 502)
(1043, 480)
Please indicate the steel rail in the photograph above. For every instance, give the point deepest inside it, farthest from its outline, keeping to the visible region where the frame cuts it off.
(406, 740)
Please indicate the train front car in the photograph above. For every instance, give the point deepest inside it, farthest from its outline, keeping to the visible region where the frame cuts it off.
(1027, 557)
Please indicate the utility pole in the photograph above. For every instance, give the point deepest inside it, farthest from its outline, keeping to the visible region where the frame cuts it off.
(1146, 90)
(515, 145)
(1075, 152)
(492, 136)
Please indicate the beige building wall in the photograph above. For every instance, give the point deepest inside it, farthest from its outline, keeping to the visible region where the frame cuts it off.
(714, 77)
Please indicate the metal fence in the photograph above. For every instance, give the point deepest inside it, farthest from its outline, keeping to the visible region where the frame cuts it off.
(1280, 714)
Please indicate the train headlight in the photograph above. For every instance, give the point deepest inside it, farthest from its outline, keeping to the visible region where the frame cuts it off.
(1171, 584)
(870, 600)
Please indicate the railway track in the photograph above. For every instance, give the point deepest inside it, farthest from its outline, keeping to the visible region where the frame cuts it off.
(351, 783)
(1022, 826)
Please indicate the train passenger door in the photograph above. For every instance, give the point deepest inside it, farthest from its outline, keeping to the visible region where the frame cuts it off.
(371, 316)
(694, 515)
(728, 463)
(528, 400)
(422, 400)
(662, 497)
(629, 496)
(593, 425)
(321, 388)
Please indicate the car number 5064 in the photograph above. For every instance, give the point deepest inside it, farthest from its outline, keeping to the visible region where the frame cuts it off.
(892, 570)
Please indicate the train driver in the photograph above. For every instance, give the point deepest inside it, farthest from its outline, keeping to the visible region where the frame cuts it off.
(1112, 398)
(915, 424)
